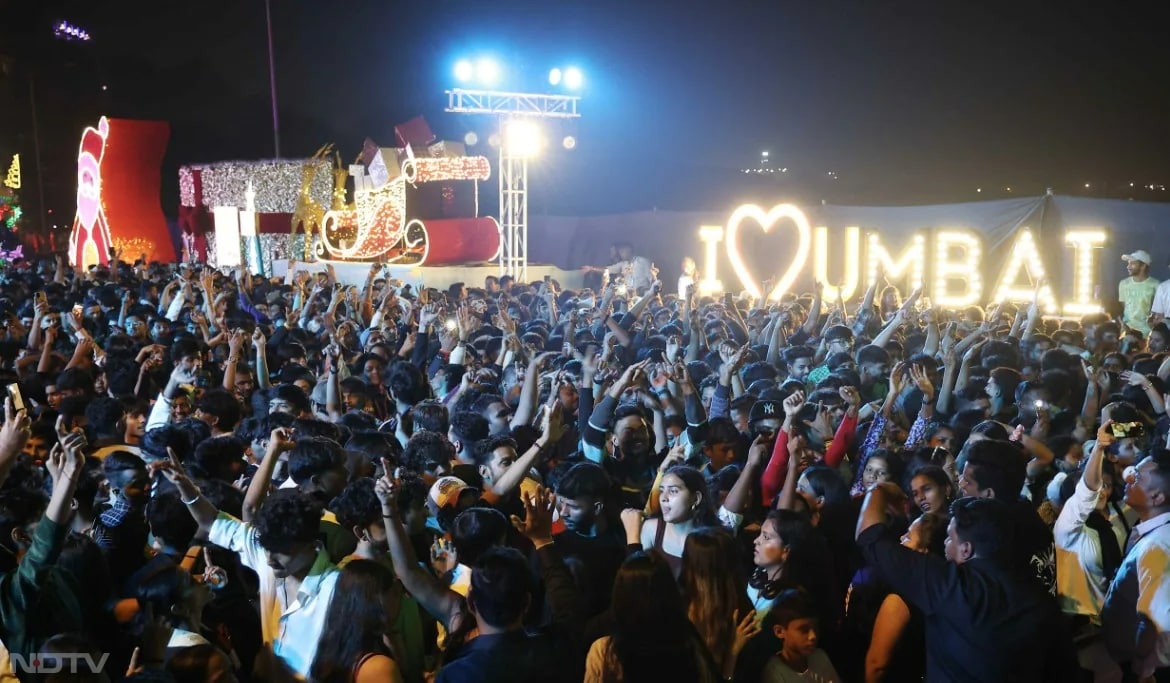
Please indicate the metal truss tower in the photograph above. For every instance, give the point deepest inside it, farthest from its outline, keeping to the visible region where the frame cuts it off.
(513, 164)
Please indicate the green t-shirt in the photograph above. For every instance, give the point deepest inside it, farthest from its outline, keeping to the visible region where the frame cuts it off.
(1138, 297)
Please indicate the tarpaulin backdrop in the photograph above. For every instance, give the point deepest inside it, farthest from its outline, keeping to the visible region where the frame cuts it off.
(666, 237)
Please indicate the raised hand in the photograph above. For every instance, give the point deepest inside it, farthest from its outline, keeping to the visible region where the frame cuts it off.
(538, 516)
(281, 440)
(236, 343)
(553, 427)
(632, 520)
(444, 559)
(850, 395)
(745, 629)
(793, 404)
(16, 430)
(922, 381)
(761, 449)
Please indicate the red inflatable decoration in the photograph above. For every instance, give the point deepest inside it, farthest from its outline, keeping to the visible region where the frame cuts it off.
(118, 185)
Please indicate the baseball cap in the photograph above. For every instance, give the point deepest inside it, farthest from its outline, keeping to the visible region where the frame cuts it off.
(764, 410)
(1139, 255)
(446, 491)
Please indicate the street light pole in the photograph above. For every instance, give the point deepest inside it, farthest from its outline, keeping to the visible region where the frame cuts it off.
(272, 79)
(42, 221)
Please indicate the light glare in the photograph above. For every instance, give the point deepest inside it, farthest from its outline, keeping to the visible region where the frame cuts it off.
(573, 78)
(569, 142)
(521, 139)
(464, 71)
(487, 71)
(554, 77)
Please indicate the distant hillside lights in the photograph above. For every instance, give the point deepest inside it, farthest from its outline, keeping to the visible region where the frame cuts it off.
(955, 268)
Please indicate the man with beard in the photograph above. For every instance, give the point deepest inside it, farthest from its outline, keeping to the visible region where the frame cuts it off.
(593, 546)
(633, 463)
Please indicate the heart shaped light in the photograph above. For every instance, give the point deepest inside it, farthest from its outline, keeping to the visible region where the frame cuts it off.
(766, 221)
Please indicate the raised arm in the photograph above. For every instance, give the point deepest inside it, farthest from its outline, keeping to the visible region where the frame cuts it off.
(741, 493)
(439, 601)
(279, 443)
(553, 430)
(13, 436)
(814, 309)
(530, 392)
(201, 509)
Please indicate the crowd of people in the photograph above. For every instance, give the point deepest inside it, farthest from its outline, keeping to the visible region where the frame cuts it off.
(209, 476)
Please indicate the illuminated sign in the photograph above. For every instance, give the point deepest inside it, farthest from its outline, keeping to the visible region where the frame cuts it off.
(954, 271)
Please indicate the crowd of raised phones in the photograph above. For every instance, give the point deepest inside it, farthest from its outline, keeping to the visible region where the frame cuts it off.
(211, 476)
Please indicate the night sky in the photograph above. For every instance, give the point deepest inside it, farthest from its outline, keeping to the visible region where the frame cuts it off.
(906, 102)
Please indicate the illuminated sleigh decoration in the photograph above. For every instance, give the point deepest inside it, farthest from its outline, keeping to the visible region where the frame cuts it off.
(375, 227)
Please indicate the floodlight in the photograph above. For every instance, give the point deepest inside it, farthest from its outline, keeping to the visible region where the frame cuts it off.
(471, 138)
(573, 78)
(554, 77)
(569, 142)
(487, 71)
(464, 71)
(522, 138)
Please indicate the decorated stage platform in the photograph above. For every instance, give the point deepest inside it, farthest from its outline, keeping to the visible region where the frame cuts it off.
(439, 277)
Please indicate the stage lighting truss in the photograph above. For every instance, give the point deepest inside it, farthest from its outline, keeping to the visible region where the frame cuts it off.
(513, 175)
(512, 104)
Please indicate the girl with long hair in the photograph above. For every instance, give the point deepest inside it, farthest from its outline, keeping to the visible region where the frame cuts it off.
(357, 643)
(685, 506)
(932, 491)
(715, 594)
(652, 638)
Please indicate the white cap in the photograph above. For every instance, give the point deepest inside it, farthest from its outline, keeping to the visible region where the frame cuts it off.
(1139, 255)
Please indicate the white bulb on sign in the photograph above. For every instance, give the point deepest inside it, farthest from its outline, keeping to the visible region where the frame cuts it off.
(910, 264)
(711, 236)
(852, 262)
(1025, 261)
(1085, 244)
(963, 270)
(767, 220)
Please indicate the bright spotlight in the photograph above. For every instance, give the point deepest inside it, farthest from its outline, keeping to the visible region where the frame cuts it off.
(522, 139)
(494, 139)
(554, 77)
(471, 138)
(569, 142)
(487, 71)
(464, 71)
(573, 78)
